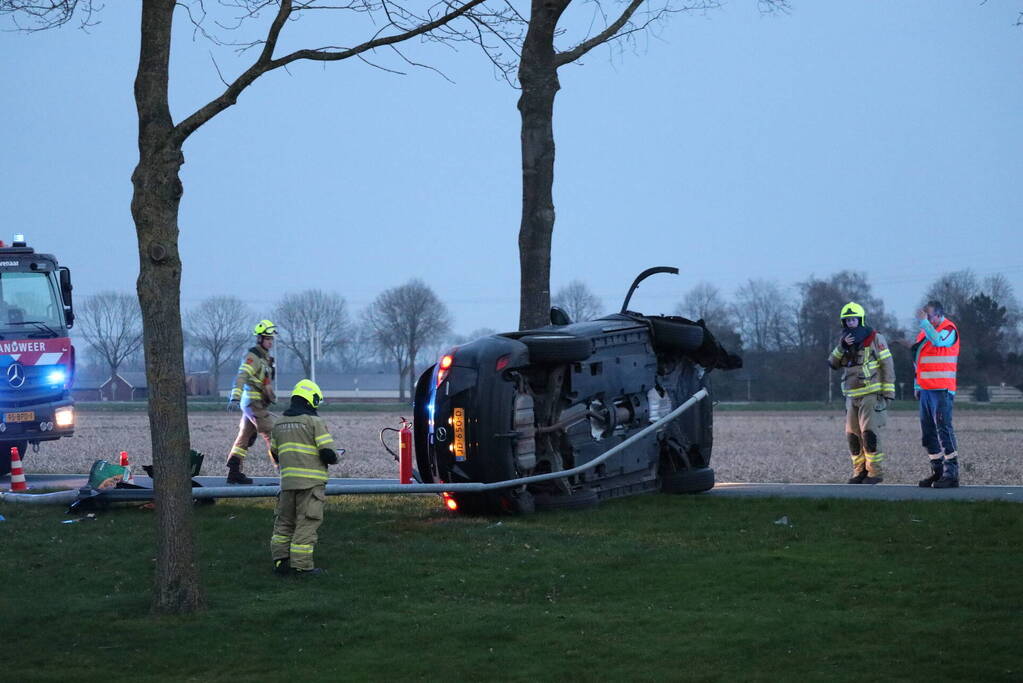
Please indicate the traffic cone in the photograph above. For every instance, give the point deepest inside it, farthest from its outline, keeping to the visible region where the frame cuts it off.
(18, 482)
(124, 459)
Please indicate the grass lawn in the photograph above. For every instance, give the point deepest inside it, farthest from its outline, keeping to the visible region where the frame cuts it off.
(646, 588)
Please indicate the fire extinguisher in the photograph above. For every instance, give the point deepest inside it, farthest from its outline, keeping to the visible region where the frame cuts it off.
(405, 452)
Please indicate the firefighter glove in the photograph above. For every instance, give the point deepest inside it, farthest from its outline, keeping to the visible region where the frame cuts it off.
(234, 404)
(328, 456)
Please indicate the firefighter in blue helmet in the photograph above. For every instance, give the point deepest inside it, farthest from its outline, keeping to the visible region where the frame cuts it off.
(253, 393)
(302, 446)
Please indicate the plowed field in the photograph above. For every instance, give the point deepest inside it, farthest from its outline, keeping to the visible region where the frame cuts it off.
(766, 447)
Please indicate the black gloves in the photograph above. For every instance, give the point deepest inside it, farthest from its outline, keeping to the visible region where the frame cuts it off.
(328, 456)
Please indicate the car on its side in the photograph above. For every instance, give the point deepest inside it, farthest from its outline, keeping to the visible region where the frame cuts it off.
(512, 405)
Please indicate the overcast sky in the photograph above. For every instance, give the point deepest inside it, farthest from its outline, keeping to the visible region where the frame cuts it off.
(885, 137)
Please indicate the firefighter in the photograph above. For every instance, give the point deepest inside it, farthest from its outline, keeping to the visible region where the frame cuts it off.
(302, 446)
(253, 392)
(868, 384)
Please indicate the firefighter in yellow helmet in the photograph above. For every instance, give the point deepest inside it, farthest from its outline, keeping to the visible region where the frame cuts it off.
(868, 383)
(253, 393)
(302, 446)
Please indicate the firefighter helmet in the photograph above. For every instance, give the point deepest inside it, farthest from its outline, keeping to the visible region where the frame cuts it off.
(264, 328)
(853, 310)
(309, 390)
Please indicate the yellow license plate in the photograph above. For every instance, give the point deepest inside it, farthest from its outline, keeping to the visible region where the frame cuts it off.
(28, 416)
(458, 424)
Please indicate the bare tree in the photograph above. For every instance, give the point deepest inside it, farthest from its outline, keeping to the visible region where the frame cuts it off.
(763, 314)
(301, 315)
(219, 326)
(953, 290)
(352, 356)
(538, 79)
(578, 301)
(403, 320)
(156, 200)
(111, 323)
(705, 302)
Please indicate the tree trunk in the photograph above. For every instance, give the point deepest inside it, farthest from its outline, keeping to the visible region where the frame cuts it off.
(538, 77)
(154, 208)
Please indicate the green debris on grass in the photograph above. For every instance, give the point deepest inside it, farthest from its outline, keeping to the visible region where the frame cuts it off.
(652, 587)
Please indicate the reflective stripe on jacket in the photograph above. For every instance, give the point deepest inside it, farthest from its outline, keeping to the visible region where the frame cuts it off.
(255, 378)
(872, 371)
(296, 440)
(936, 364)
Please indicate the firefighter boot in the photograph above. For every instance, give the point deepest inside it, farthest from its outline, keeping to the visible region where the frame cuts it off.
(936, 468)
(874, 473)
(282, 567)
(234, 471)
(949, 473)
(859, 462)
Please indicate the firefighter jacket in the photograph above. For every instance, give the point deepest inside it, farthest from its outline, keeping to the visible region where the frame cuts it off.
(255, 378)
(868, 366)
(937, 355)
(295, 443)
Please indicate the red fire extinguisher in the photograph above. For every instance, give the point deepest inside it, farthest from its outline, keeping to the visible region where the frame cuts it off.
(405, 452)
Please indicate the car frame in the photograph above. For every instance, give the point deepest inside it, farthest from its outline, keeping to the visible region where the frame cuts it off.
(512, 405)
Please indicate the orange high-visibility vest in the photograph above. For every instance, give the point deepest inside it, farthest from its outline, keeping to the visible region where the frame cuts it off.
(936, 365)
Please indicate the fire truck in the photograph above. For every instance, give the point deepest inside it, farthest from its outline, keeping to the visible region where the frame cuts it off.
(37, 361)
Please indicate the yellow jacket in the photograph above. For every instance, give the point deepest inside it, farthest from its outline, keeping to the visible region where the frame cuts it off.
(868, 370)
(255, 378)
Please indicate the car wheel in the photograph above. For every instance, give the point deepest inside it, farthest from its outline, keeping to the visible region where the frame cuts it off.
(556, 348)
(584, 498)
(675, 335)
(5, 455)
(688, 481)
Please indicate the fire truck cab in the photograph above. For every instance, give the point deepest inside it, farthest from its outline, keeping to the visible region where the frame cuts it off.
(37, 361)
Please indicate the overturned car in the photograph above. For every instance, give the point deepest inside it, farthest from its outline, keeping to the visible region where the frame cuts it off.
(514, 405)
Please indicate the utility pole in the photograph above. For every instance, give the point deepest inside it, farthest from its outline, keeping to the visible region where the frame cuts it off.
(313, 349)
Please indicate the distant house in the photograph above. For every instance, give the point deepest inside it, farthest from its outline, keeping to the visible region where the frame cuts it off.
(199, 383)
(86, 389)
(125, 386)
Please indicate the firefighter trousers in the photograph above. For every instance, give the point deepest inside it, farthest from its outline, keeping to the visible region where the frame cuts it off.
(255, 420)
(298, 516)
(865, 420)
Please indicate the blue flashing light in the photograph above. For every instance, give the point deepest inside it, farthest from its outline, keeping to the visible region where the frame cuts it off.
(56, 377)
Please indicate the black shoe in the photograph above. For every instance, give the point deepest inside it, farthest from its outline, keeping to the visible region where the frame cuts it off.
(946, 483)
(858, 477)
(282, 567)
(238, 477)
(873, 480)
(308, 572)
(936, 469)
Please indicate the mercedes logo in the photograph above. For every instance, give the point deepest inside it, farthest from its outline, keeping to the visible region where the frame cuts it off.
(16, 374)
(442, 434)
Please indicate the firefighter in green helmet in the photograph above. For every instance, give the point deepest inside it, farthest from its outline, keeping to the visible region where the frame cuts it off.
(253, 393)
(302, 446)
(868, 383)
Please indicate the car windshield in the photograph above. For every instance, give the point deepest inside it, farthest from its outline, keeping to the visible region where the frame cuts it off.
(29, 306)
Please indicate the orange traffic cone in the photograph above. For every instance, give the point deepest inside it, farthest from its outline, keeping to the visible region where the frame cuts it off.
(18, 482)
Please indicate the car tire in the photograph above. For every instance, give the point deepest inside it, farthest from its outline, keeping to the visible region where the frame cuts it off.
(688, 481)
(675, 335)
(578, 500)
(556, 348)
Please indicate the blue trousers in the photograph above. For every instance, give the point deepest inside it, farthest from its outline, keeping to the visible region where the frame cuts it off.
(936, 421)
